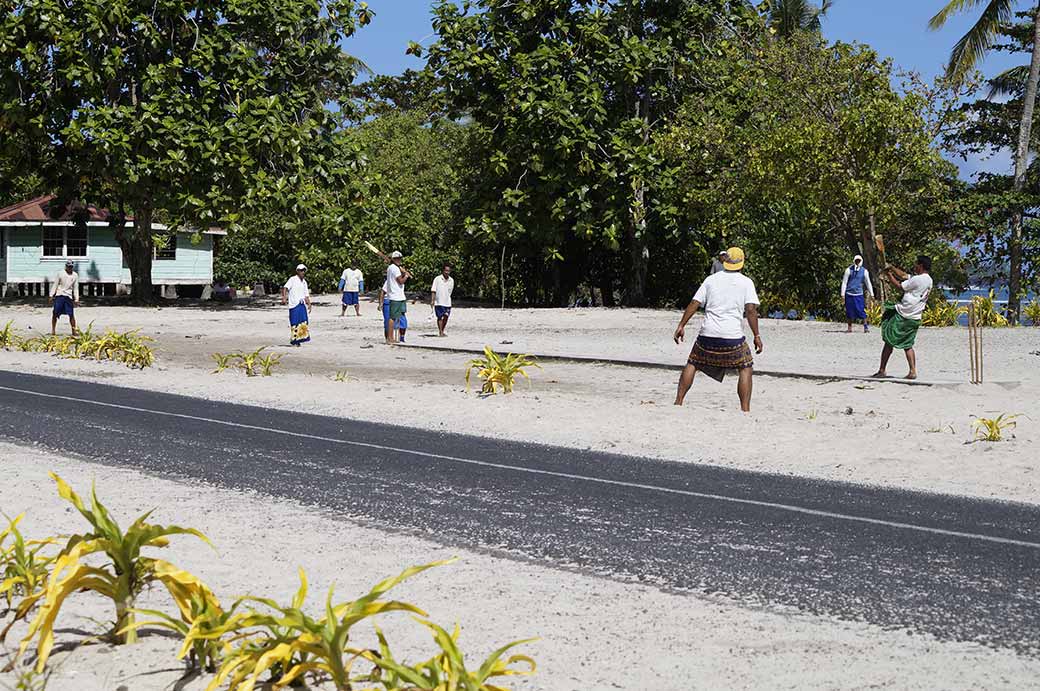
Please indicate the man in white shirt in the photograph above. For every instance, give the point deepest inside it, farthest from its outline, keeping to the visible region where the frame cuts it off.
(900, 323)
(728, 297)
(396, 277)
(854, 285)
(65, 296)
(350, 281)
(297, 296)
(440, 297)
(716, 263)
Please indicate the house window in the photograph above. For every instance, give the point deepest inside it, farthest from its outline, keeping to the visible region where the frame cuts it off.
(3, 244)
(65, 242)
(76, 242)
(54, 242)
(166, 247)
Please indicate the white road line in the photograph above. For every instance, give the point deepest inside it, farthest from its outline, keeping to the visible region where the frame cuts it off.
(537, 471)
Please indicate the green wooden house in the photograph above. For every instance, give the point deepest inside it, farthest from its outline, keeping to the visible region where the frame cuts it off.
(37, 237)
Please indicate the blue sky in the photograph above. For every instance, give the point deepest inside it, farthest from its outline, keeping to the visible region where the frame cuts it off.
(895, 28)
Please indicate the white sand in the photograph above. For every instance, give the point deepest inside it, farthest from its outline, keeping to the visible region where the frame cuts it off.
(595, 633)
(911, 437)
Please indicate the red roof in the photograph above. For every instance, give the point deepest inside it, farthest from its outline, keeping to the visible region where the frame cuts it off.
(41, 208)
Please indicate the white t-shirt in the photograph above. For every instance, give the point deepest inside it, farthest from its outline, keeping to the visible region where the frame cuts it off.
(394, 290)
(442, 287)
(350, 280)
(915, 296)
(297, 289)
(724, 296)
(65, 284)
(359, 276)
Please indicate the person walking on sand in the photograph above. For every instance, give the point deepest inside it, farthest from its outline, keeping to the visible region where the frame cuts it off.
(717, 262)
(728, 297)
(396, 277)
(440, 297)
(853, 284)
(901, 321)
(297, 296)
(65, 296)
(350, 284)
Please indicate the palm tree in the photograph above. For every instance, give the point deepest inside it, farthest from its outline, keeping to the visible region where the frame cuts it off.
(790, 16)
(966, 55)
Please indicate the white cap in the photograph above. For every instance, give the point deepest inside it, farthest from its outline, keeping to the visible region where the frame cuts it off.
(857, 258)
(396, 255)
(301, 267)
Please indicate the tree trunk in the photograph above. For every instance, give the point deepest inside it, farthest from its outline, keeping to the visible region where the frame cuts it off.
(136, 244)
(1021, 166)
(606, 289)
(635, 281)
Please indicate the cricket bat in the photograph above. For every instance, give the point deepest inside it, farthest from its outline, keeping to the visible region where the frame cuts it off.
(375, 249)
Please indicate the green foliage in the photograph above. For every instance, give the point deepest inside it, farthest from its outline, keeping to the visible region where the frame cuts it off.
(992, 429)
(211, 108)
(24, 565)
(987, 312)
(499, 371)
(941, 312)
(1032, 312)
(875, 311)
(447, 669)
(253, 364)
(128, 347)
(568, 99)
(121, 579)
(791, 151)
(8, 336)
(787, 17)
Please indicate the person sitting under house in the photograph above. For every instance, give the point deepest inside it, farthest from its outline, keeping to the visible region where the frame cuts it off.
(65, 296)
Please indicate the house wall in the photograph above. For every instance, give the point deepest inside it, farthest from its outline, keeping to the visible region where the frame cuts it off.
(3, 255)
(104, 260)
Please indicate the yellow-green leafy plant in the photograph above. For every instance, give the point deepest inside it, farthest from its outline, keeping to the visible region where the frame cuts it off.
(287, 644)
(941, 312)
(268, 363)
(1032, 312)
(987, 312)
(201, 625)
(875, 311)
(121, 579)
(223, 361)
(24, 565)
(992, 429)
(499, 371)
(250, 362)
(341, 376)
(447, 669)
(8, 336)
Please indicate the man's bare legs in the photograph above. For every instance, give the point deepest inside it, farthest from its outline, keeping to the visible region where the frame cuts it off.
(685, 382)
(886, 353)
(744, 388)
(54, 325)
(911, 361)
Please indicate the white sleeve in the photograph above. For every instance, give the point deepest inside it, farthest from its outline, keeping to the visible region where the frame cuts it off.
(866, 282)
(433, 288)
(287, 285)
(343, 276)
(909, 284)
(751, 296)
(845, 281)
(701, 294)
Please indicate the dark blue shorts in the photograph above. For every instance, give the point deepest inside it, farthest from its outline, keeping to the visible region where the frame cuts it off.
(63, 305)
(442, 312)
(350, 298)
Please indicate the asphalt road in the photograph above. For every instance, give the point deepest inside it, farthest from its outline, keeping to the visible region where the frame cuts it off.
(955, 568)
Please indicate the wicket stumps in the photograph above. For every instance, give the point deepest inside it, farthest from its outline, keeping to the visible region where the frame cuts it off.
(974, 345)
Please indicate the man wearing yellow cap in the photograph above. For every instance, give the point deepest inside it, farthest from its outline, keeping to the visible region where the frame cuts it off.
(728, 297)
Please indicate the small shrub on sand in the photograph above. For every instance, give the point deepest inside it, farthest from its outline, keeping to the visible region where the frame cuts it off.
(875, 311)
(942, 313)
(992, 429)
(122, 579)
(8, 336)
(987, 313)
(23, 570)
(1032, 312)
(129, 347)
(254, 364)
(499, 371)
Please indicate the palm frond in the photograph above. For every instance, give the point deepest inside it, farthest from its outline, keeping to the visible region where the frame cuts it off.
(973, 46)
(1009, 82)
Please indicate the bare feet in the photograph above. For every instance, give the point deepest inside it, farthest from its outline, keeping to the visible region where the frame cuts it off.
(880, 374)
(912, 375)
